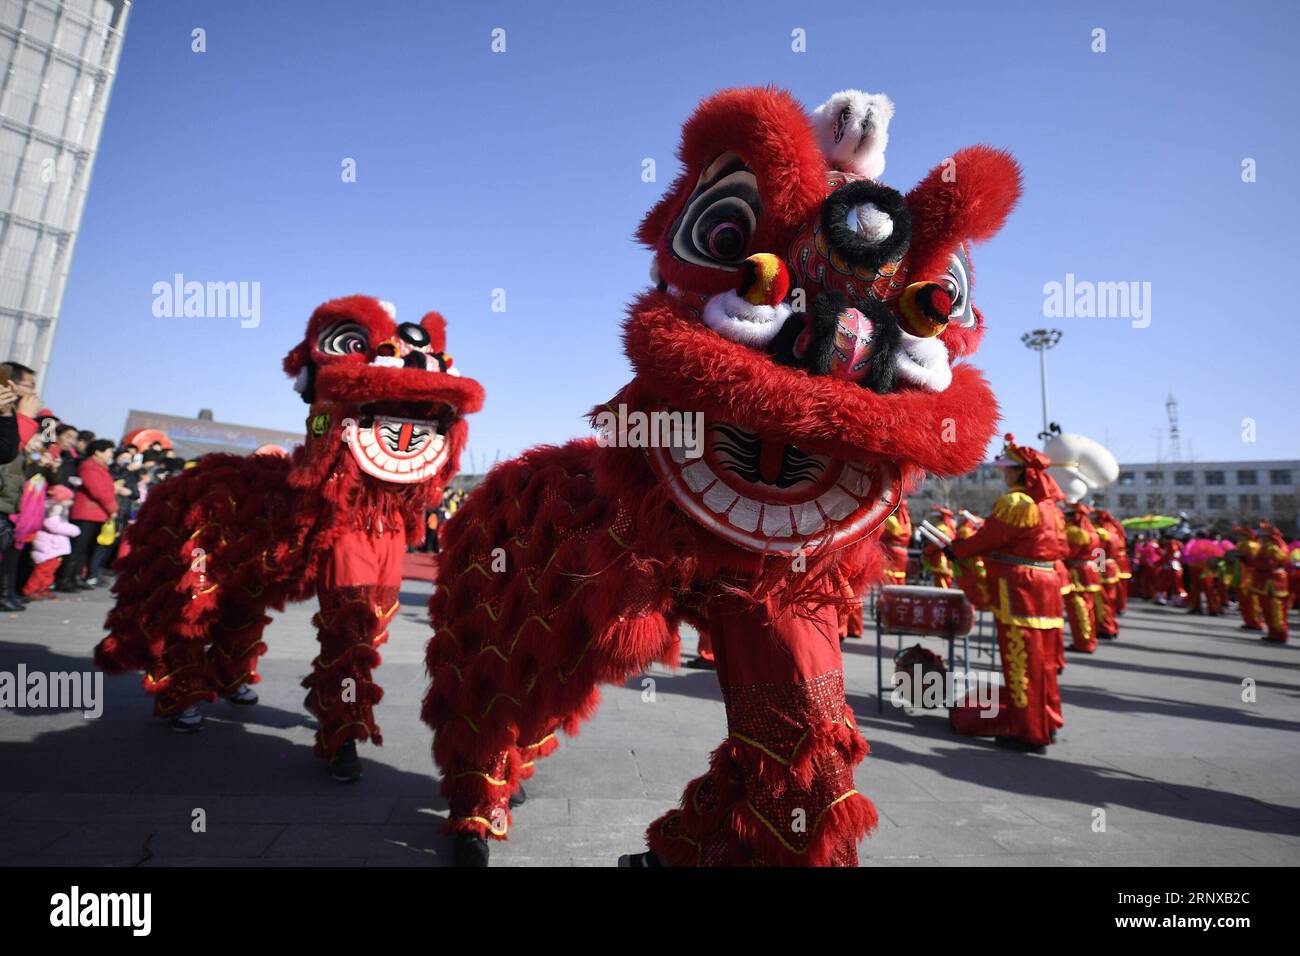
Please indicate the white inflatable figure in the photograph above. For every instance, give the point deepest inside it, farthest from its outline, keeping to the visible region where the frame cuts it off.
(853, 130)
(1080, 465)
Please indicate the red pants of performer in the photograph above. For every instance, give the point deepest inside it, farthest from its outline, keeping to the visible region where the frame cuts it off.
(1146, 582)
(191, 671)
(42, 576)
(358, 584)
(1106, 601)
(1276, 607)
(1248, 602)
(1081, 608)
(1029, 702)
(1121, 592)
(1203, 588)
(1169, 586)
(780, 789)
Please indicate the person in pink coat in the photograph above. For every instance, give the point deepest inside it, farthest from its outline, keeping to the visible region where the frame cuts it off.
(51, 545)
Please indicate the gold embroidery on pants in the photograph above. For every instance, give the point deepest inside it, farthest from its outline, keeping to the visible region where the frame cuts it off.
(1017, 668)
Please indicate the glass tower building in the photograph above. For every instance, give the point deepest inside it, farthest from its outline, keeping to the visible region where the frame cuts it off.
(59, 58)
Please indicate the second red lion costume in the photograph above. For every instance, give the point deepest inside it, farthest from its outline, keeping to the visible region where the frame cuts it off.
(815, 422)
(218, 546)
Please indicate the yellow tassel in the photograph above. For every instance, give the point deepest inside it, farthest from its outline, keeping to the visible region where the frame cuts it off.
(1076, 535)
(1016, 509)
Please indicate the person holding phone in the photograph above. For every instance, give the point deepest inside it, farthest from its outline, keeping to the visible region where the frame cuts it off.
(19, 402)
(8, 420)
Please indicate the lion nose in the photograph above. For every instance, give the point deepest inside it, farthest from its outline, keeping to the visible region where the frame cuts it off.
(764, 280)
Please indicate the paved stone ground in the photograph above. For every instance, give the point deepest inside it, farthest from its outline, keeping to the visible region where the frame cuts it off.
(1157, 735)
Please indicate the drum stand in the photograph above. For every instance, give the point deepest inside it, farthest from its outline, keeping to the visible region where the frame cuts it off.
(881, 687)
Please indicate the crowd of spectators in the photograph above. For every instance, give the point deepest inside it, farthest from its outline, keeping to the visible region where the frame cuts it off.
(66, 496)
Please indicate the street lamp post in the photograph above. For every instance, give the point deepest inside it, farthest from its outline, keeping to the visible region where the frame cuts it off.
(1040, 340)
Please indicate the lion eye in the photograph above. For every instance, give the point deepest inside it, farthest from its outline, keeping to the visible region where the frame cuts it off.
(720, 217)
(344, 338)
(957, 282)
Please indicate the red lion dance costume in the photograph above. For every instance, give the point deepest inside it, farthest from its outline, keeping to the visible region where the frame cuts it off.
(219, 545)
(817, 419)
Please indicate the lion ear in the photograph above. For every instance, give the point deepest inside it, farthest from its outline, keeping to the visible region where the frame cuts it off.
(436, 326)
(965, 198)
(297, 359)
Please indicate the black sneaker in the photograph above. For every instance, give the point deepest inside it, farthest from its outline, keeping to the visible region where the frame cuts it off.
(471, 850)
(647, 858)
(188, 721)
(244, 695)
(517, 799)
(345, 766)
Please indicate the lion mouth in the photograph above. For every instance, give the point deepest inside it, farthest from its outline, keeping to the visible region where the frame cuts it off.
(395, 448)
(771, 496)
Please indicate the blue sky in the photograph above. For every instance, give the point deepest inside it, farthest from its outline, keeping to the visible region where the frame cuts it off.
(522, 171)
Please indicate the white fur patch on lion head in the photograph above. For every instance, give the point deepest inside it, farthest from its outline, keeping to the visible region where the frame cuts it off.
(853, 130)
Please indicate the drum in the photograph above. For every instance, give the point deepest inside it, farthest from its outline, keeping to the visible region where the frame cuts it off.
(910, 609)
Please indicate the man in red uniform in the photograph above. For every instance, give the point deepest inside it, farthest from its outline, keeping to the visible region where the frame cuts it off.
(935, 562)
(1147, 554)
(1084, 605)
(972, 575)
(1169, 573)
(1020, 543)
(894, 539)
(1116, 544)
(1247, 596)
(1269, 573)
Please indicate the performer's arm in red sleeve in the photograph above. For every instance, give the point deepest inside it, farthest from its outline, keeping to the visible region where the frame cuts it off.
(1014, 510)
(991, 536)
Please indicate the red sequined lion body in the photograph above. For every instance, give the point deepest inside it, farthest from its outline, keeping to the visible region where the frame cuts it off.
(218, 546)
(812, 316)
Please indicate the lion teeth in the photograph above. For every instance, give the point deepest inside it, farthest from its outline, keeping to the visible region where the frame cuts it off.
(855, 481)
(745, 514)
(719, 498)
(698, 476)
(807, 518)
(776, 521)
(836, 504)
